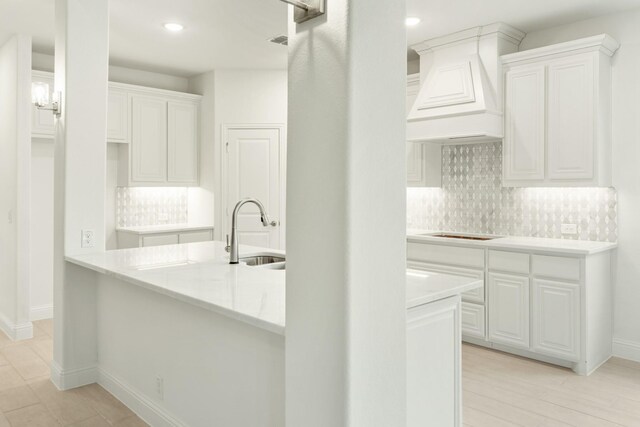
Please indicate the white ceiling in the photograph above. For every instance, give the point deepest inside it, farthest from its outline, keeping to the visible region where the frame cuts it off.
(234, 33)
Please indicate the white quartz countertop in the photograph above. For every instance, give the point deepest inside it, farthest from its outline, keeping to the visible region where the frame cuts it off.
(564, 246)
(164, 228)
(200, 274)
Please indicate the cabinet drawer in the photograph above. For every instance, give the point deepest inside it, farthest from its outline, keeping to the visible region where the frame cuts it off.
(195, 236)
(476, 295)
(557, 267)
(441, 254)
(159, 240)
(472, 320)
(513, 262)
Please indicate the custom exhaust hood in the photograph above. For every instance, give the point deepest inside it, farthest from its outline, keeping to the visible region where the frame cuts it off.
(460, 100)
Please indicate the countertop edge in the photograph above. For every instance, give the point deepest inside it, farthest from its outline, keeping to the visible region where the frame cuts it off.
(268, 326)
(497, 244)
(416, 302)
(167, 229)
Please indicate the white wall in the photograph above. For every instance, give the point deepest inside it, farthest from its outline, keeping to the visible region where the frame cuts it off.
(202, 198)
(41, 229)
(625, 28)
(44, 62)
(15, 177)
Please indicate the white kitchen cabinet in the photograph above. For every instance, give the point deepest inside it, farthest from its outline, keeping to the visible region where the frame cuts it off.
(524, 155)
(148, 140)
(509, 309)
(424, 161)
(118, 116)
(138, 237)
(42, 121)
(473, 320)
(572, 89)
(182, 140)
(164, 143)
(556, 319)
(558, 115)
(434, 377)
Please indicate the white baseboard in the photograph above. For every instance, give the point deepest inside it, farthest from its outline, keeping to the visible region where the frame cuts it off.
(41, 312)
(72, 378)
(626, 349)
(16, 331)
(139, 403)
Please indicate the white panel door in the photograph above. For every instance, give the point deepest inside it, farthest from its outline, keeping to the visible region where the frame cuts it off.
(571, 118)
(148, 140)
(556, 319)
(509, 309)
(415, 165)
(255, 161)
(433, 377)
(118, 116)
(524, 138)
(42, 121)
(182, 134)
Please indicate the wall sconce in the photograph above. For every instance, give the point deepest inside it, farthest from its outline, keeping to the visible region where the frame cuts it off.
(41, 99)
(306, 10)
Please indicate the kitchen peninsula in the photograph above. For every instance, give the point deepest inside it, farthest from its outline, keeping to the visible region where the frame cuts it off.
(172, 319)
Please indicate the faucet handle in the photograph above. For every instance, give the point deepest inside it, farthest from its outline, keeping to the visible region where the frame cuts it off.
(228, 247)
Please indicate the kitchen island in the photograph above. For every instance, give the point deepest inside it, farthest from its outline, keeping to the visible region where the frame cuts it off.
(184, 338)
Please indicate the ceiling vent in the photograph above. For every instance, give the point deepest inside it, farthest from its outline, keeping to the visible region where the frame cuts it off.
(281, 39)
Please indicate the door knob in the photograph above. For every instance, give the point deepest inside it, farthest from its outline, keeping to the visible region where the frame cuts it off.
(274, 223)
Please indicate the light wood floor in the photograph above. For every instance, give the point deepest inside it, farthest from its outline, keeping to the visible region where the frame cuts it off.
(29, 399)
(498, 390)
(504, 390)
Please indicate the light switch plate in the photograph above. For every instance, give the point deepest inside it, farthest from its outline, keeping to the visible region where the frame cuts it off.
(569, 229)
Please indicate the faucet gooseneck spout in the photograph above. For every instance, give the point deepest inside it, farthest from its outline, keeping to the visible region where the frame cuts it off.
(232, 247)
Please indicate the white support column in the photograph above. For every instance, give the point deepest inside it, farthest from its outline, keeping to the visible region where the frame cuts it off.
(346, 201)
(15, 186)
(81, 74)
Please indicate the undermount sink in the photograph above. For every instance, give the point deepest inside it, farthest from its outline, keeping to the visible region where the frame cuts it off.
(271, 261)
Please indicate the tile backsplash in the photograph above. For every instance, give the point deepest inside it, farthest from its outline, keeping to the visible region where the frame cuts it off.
(139, 206)
(473, 200)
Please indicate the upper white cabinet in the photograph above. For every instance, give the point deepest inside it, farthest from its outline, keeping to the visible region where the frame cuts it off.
(164, 138)
(424, 161)
(182, 141)
(42, 123)
(117, 116)
(148, 151)
(558, 115)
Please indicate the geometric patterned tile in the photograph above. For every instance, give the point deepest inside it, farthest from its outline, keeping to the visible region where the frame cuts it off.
(473, 200)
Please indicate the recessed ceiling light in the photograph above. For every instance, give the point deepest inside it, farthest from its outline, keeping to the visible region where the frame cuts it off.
(412, 21)
(173, 27)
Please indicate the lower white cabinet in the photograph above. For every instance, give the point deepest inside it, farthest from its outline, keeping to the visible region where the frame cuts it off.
(433, 377)
(556, 319)
(509, 309)
(473, 324)
(128, 238)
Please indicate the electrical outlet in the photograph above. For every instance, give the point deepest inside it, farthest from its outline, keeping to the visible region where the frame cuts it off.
(88, 239)
(569, 229)
(160, 387)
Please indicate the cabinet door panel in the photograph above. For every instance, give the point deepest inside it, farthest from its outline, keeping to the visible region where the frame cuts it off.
(509, 309)
(183, 142)
(149, 140)
(160, 240)
(524, 141)
(117, 116)
(571, 115)
(472, 316)
(556, 319)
